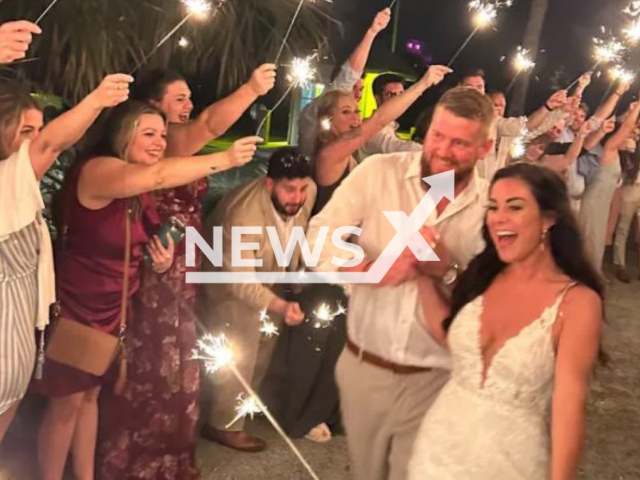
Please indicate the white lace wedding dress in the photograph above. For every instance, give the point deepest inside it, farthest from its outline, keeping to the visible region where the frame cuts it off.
(498, 430)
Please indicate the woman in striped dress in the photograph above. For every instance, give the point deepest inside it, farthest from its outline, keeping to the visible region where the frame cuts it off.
(26, 260)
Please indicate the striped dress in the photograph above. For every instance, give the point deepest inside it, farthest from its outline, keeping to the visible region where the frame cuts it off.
(19, 301)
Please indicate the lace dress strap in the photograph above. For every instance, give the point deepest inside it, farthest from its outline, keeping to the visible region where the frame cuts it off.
(555, 310)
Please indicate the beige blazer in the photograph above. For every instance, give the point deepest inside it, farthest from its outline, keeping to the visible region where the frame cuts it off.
(248, 205)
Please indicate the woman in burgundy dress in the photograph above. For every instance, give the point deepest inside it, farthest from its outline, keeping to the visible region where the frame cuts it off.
(158, 410)
(116, 176)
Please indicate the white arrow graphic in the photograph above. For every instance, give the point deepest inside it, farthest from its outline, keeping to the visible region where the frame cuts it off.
(407, 234)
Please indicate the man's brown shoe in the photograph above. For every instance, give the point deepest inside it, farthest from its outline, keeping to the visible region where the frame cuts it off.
(237, 440)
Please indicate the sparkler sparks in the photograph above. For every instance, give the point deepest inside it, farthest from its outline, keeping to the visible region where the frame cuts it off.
(246, 407)
(214, 351)
(608, 51)
(622, 75)
(301, 72)
(324, 314)
(267, 327)
(633, 9)
(197, 8)
(486, 11)
(522, 61)
(632, 32)
(519, 145)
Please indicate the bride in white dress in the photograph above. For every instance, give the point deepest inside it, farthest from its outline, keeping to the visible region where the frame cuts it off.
(525, 323)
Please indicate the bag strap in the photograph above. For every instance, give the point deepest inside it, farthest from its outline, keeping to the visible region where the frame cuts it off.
(124, 303)
(127, 264)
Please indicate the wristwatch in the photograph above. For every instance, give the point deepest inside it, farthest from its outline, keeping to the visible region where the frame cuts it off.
(451, 276)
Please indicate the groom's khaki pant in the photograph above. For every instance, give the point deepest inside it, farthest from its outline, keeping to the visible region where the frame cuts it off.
(382, 412)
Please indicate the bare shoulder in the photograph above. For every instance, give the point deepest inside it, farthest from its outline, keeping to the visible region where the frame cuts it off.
(582, 306)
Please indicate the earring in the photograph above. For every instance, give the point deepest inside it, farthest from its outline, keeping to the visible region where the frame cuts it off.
(543, 239)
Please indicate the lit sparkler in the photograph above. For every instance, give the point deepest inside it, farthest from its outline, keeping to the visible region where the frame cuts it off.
(195, 8)
(622, 75)
(246, 407)
(519, 144)
(183, 42)
(324, 314)
(632, 32)
(633, 9)
(607, 51)
(267, 327)
(484, 13)
(300, 74)
(216, 353)
(522, 60)
(286, 36)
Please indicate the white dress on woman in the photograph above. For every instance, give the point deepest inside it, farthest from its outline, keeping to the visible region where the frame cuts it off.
(496, 428)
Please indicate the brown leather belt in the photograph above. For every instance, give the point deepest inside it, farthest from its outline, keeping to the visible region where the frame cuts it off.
(382, 363)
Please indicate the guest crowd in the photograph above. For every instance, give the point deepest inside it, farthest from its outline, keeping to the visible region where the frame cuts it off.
(475, 364)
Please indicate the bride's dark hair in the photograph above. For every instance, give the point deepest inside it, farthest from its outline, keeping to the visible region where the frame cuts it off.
(550, 193)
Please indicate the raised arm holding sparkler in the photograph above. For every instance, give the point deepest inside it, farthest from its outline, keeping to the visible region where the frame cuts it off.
(350, 134)
(348, 79)
(15, 38)
(187, 137)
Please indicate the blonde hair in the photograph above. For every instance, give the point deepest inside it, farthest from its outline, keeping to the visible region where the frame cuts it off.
(326, 106)
(467, 102)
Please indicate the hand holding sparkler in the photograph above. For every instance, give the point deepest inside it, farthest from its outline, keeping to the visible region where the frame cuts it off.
(622, 88)
(113, 90)
(571, 105)
(588, 127)
(243, 150)
(585, 80)
(608, 125)
(557, 100)
(293, 314)
(15, 38)
(263, 79)
(381, 21)
(434, 75)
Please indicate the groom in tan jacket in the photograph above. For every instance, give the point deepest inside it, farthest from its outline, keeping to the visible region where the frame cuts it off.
(283, 199)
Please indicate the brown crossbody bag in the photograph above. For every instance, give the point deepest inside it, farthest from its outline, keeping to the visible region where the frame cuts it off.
(85, 348)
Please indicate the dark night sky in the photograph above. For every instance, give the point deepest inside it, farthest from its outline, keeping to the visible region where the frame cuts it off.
(442, 25)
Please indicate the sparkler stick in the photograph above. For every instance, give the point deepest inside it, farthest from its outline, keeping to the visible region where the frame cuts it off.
(273, 421)
(300, 74)
(286, 36)
(392, 4)
(216, 353)
(46, 10)
(521, 63)
(195, 7)
(464, 44)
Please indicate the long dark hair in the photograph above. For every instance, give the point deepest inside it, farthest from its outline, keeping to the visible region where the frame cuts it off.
(14, 100)
(152, 84)
(550, 193)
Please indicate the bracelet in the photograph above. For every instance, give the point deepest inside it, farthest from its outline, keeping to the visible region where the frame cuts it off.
(547, 107)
